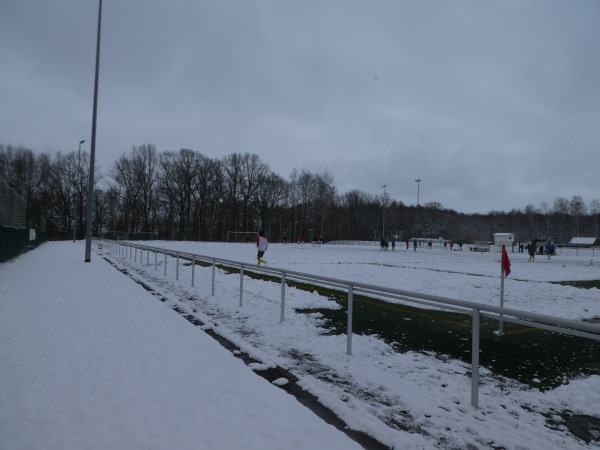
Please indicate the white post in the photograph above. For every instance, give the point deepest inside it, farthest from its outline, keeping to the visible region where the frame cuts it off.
(475, 360)
(241, 286)
(177, 268)
(349, 330)
(155, 259)
(282, 297)
(193, 266)
(213, 278)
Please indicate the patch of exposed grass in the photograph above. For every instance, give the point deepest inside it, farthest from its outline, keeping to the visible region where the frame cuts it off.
(584, 284)
(539, 358)
(535, 357)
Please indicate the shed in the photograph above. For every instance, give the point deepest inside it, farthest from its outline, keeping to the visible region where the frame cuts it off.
(507, 239)
(584, 241)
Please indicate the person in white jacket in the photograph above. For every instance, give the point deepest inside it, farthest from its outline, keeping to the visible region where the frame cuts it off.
(262, 244)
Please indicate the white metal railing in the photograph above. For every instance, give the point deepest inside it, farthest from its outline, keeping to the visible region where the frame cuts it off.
(476, 310)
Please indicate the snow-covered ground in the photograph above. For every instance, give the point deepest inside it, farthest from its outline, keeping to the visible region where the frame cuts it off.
(92, 360)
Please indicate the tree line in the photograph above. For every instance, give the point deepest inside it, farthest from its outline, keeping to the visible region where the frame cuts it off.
(184, 195)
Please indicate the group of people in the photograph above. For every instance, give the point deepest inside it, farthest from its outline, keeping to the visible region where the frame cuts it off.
(262, 244)
(532, 248)
(385, 244)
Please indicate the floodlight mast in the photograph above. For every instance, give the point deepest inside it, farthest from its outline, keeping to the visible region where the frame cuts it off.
(418, 181)
(384, 204)
(90, 199)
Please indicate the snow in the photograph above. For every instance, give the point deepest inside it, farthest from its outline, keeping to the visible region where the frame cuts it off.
(92, 360)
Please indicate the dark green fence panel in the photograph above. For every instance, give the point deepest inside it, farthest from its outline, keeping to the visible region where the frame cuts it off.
(14, 241)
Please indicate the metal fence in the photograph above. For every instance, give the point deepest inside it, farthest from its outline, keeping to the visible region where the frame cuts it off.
(14, 241)
(475, 310)
(13, 207)
(15, 238)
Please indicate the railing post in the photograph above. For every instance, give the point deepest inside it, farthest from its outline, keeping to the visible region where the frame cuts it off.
(177, 268)
(475, 360)
(282, 297)
(148, 256)
(349, 331)
(193, 267)
(155, 259)
(135, 255)
(213, 278)
(241, 286)
(165, 263)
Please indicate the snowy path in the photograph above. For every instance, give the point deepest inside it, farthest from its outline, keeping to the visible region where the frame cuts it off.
(90, 360)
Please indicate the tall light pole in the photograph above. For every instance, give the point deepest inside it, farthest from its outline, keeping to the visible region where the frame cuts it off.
(90, 199)
(418, 181)
(384, 203)
(76, 200)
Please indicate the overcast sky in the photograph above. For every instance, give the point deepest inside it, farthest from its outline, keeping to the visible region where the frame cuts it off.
(492, 104)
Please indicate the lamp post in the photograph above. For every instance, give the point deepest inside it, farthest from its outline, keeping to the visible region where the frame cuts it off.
(76, 201)
(90, 199)
(418, 181)
(384, 203)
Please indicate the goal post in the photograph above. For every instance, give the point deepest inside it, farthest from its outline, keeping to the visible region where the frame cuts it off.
(128, 235)
(242, 236)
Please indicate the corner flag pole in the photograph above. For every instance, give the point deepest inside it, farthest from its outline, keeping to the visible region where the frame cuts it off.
(502, 276)
(504, 272)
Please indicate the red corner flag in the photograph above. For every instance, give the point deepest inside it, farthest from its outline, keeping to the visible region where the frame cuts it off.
(505, 261)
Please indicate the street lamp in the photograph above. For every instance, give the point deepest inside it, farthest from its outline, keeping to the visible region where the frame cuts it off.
(75, 202)
(90, 199)
(418, 181)
(384, 203)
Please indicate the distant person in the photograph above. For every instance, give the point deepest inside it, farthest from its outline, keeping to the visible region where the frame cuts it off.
(261, 244)
(429, 244)
(531, 249)
(460, 245)
(445, 245)
(549, 250)
(393, 244)
(415, 244)
(407, 244)
(521, 247)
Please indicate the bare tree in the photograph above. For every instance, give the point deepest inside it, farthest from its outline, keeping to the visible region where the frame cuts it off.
(253, 175)
(577, 209)
(595, 210)
(178, 182)
(232, 171)
(136, 176)
(270, 196)
(561, 212)
(324, 201)
(355, 214)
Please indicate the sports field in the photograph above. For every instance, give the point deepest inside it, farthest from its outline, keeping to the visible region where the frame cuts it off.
(409, 369)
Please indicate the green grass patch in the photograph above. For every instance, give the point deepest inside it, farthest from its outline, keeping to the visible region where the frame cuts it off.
(539, 358)
(584, 284)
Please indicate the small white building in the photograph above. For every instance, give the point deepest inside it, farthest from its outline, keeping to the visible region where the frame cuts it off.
(584, 242)
(507, 239)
